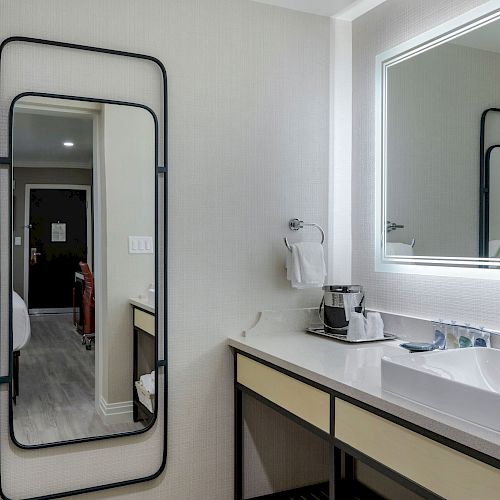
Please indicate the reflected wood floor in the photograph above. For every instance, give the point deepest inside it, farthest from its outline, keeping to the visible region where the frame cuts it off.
(56, 386)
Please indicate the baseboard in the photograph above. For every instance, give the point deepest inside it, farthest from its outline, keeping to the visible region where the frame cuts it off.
(115, 413)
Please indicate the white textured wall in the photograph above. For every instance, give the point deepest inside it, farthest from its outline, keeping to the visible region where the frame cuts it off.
(128, 182)
(249, 98)
(339, 199)
(435, 102)
(426, 296)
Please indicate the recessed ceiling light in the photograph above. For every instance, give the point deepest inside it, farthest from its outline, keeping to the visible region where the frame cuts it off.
(68, 144)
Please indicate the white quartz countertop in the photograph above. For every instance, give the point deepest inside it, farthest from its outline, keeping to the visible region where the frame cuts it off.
(355, 370)
(142, 304)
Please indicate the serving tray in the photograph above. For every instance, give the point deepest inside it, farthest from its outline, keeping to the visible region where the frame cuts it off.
(343, 338)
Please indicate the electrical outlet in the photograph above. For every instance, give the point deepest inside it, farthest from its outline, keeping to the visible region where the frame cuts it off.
(140, 244)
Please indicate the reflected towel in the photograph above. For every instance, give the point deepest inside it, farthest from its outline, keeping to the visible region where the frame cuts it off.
(148, 382)
(494, 249)
(399, 249)
(306, 265)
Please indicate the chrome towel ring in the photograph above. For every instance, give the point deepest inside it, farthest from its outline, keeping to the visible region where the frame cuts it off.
(296, 224)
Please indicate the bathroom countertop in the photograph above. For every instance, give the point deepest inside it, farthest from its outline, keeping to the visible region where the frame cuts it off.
(142, 304)
(355, 370)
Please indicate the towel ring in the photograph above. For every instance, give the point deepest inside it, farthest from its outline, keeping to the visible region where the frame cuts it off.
(296, 224)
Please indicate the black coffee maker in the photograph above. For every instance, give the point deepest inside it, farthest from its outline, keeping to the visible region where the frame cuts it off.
(338, 303)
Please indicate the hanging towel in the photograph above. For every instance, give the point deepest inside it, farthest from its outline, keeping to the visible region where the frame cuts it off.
(306, 265)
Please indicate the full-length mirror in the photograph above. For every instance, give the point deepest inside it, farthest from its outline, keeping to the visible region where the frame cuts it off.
(441, 150)
(83, 270)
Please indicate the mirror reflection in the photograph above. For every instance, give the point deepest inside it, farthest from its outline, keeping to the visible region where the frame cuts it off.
(83, 269)
(442, 173)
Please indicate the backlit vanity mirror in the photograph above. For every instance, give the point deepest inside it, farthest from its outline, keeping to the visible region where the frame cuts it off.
(440, 150)
(83, 270)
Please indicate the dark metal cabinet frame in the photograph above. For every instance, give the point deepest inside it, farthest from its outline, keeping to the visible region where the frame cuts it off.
(342, 480)
(161, 175)
(140, 412)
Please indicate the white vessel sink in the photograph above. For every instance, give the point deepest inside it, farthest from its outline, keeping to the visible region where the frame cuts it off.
(464, 383)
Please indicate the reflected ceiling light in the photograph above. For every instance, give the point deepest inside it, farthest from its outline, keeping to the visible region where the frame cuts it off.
(68, 144)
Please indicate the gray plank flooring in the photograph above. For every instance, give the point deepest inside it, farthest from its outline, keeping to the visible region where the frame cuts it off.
(56, 386)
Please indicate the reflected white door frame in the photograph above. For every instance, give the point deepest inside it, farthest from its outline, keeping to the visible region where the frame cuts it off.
(93, 110)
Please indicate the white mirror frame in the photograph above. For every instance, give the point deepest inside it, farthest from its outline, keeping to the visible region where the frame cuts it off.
(439, 266)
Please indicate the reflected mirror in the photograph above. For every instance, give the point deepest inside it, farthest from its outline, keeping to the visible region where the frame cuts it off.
(83, 270)
(441, 145)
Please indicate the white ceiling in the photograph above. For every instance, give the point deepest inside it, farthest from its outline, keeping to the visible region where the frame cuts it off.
(342, 9)
(484, 38)
(38, 138)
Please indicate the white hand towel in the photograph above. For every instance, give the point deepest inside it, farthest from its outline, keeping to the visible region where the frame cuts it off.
(292, 265)
(374, 326)
(357, 327)
(306, 265)
(349, 305)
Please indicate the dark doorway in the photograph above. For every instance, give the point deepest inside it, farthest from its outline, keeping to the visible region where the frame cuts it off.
(57, 243)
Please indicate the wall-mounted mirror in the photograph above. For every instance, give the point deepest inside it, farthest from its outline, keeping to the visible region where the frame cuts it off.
(440, 149)
(84, 269)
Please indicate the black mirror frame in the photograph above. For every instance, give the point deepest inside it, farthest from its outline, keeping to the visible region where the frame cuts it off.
(161, 174)
(484, 185)
(155, 179)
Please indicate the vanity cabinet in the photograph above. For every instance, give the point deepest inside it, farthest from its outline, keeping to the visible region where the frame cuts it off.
(439, 468)
(144, 321)
(144, 337)
(428, 465)
(308, 403)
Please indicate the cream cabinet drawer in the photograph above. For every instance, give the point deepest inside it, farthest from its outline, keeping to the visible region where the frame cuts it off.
(144, 321)
(304, 401)
(438, 468)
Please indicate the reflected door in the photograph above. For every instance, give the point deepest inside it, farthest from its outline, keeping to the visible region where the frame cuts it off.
(57, 243)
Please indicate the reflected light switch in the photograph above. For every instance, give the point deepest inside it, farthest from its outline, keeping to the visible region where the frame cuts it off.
(18, 241)
(140, 244)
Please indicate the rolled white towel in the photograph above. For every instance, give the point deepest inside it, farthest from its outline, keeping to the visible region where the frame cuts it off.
(148, 382)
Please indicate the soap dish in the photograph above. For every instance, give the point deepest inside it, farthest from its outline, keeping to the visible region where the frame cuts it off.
(343, 338)
(418, 346)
